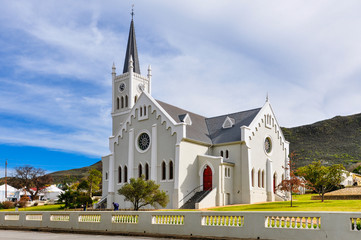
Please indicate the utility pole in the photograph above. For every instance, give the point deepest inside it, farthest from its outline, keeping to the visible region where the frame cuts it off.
(6, 179)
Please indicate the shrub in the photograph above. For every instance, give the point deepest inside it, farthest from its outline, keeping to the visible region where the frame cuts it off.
(36, 204)
(22, 202)
(8, 204)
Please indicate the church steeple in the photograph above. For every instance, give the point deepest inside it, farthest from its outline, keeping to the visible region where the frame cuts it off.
(131, 50)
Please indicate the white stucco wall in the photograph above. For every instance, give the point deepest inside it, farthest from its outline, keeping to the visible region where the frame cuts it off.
(164, 147)
(188, 171)
(259, 131)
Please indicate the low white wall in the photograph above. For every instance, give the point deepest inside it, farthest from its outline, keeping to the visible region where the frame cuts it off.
(208, 201)
(257, 225)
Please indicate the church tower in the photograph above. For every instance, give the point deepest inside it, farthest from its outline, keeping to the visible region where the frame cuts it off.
(127, 87)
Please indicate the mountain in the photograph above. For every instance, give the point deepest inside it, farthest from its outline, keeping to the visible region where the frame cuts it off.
(74, 174)
(336, 140)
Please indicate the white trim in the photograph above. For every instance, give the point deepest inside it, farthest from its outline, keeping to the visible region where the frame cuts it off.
(130, 153)
(121, 113)
(154, 154)
(228, 122)
(203, 167)
(178, 128)
(187, 119)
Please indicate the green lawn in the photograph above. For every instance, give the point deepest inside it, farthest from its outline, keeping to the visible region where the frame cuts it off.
(300, 203)
(56, 207)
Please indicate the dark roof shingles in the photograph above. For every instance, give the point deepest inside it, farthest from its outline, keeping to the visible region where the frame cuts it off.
(209, 130)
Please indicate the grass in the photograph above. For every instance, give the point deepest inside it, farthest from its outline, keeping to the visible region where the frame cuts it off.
(300, 203)
(55, 207)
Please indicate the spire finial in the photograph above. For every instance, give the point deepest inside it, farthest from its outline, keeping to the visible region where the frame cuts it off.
(267, 98)
(132, 13)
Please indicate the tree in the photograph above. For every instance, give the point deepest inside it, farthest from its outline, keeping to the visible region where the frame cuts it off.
(94, 179)
(91, 183)
(31, 179)
(72, 198)
(321, 178)
(293, 183)
(142, 192)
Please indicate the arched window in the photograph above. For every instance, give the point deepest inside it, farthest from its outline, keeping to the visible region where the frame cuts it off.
(119, 174)
(171, 170)
(229, 172)
(135, 98)
(221, 153)
(259, 178)
(140, 170)
(106, 176)
(146, 171)
(163, 170)
(274, 182)
(252, 177)
(126, 100)
(122, 102)
(145, 110)
(117, 102)
(263, 178)
(227, 154)
(141, 111)
(125, 174)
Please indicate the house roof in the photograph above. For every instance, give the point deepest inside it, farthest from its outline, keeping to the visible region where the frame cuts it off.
(218, 134)
(197, 131)
(209, 130)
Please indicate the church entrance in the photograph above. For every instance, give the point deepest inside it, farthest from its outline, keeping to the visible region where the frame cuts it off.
(207, 179)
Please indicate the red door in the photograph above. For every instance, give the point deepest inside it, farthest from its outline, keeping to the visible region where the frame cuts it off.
(207, 179)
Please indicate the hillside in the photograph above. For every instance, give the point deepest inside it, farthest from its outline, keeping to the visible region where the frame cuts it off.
(74, 174)
(336, 140)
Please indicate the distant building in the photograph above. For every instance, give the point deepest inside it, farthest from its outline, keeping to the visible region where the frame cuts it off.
(351, 179)
(229, 159)
(12, 194)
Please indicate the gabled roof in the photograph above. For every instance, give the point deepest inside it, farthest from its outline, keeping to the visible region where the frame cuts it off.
(210, 130)
(218, 134)
(131, 51)
(197, 131)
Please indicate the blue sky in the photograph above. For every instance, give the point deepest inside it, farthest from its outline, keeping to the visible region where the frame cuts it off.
(225, 56)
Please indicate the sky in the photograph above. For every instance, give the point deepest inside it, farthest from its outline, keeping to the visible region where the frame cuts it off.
(209, 57)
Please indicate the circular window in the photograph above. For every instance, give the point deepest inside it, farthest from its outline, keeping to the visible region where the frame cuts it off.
(268, 145)
(143, 141)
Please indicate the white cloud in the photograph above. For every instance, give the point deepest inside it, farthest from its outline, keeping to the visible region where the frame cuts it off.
(223, 55)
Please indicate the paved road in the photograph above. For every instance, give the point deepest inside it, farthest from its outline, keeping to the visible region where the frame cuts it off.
(30, 235)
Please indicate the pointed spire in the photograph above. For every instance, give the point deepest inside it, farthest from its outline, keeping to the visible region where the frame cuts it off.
(131, 50)
(267, 98)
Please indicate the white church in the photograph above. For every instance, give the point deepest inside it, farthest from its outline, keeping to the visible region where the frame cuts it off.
(198, 161)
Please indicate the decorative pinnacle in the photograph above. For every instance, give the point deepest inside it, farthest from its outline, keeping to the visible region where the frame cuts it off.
(130, 63)
(113, 68)
(149, 71)
(132, 13)
(267, 99)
